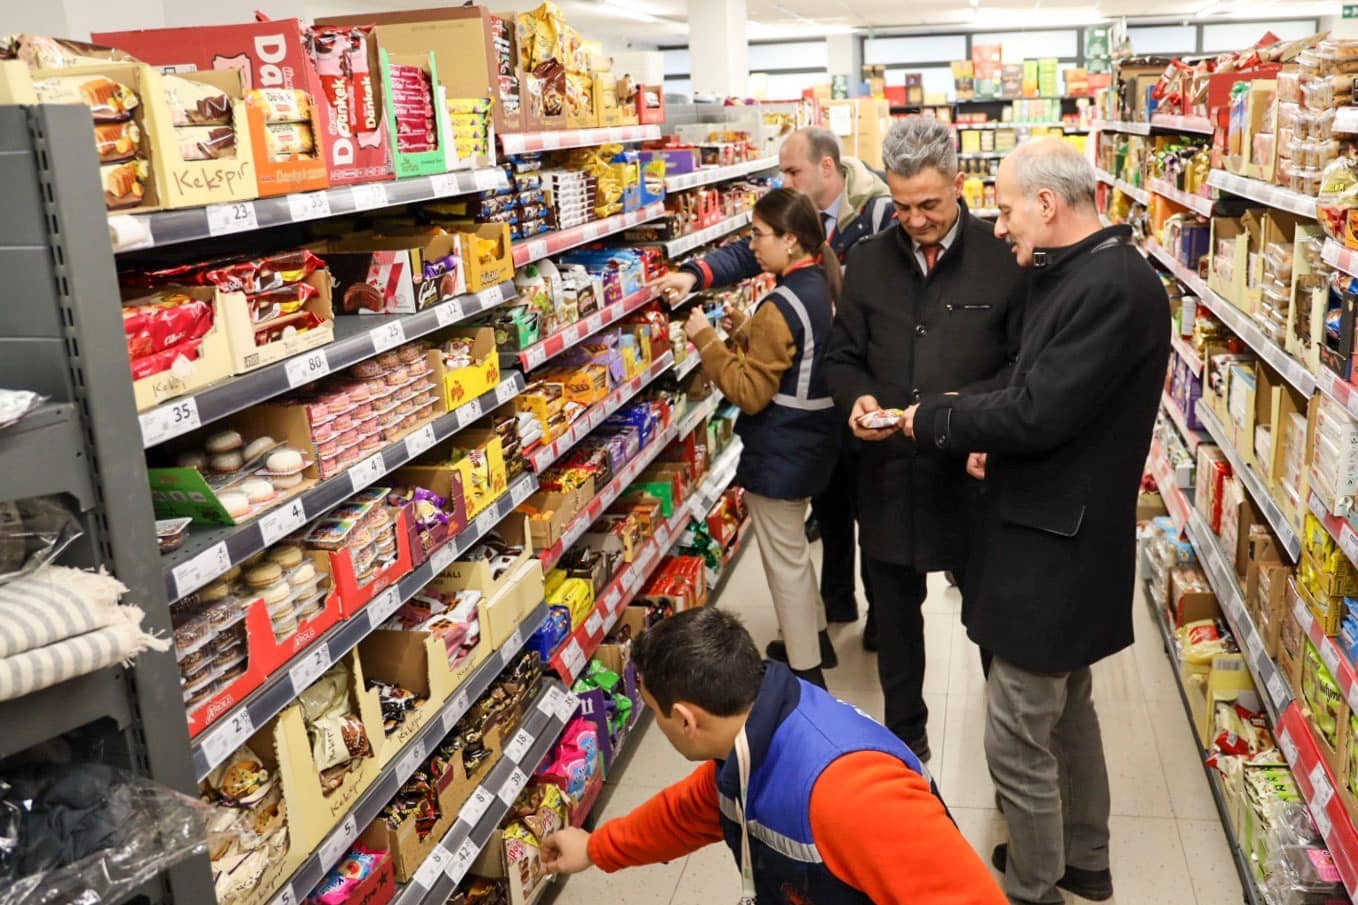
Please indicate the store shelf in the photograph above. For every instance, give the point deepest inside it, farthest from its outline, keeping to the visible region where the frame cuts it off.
(545, 455)
(719, 477)
(986, 213)
(1191, 437)
(1240, 323)
(684, 244)
(983, 155)
(709, 175)
(1291, 541)
(1343, 671)
(606, 497)
(1117, 125)
(529, 142)
(1200, 125)
(1196, 203)
(130, 232)
(1186, 352)
(45, 454)
(535, 355)
(1221, 575)
(695, 415)
(225, 734)
(1340, 258)
(356, 338)
(1264, 193)
(1317, 785)
(1175, 502)
(1339, 528)
(369, 805)
(209, 553)
(440, 873)
(1139, 195)
(526, 251)
(1007, 124)
(49, 712)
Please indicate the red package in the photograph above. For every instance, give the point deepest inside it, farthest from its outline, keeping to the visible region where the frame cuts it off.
(285, 326)
(250, 276)
(159, 362)
(332, 65)
(364, 95)
(154, 327)
(265, 306)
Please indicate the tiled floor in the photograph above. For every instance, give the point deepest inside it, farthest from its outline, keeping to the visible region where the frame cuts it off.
(1168, 845)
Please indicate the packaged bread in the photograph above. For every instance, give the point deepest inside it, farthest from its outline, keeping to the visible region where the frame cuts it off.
(109, 101)
(124, 183)
(116, 142)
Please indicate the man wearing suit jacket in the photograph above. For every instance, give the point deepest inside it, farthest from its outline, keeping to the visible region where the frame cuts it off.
(1062, 449)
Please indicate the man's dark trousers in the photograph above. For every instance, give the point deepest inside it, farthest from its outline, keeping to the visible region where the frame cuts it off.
(836, 512)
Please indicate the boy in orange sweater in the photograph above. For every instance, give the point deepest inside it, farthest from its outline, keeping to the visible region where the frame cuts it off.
(817, 802)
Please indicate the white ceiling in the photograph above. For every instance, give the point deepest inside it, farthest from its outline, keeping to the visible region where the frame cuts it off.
(647, 23)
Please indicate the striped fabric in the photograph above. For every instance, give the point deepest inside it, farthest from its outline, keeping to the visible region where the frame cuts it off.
(45, 666)
(53, 604)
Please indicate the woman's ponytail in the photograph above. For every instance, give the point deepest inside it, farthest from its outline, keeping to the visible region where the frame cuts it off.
(789, 212)
(834, 274)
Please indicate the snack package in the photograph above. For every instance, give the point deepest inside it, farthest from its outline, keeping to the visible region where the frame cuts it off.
(109, 101)
(882, 418)
(195, 103)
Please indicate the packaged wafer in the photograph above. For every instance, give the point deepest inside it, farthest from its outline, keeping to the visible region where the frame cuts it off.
(196, 103)
(281, 105)
(289, 139)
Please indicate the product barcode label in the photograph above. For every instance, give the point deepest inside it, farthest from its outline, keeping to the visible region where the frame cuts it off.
(384, 606)
(448, 313)
(192, 575)
(309, 206)
(434, 866)
(282, 521)
(367, 197)
(230, 733)
(306, 368)
(518, 746)
(476, 806)
(420, 440)
(513, 786)
(366, 472)
(335, 848)
(468, 413)
(168, 421)
(388, 335)
(312, 666)
(231, 217)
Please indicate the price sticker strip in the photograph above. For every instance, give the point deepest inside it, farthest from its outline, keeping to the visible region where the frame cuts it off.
(1196, 203)
(530, 250)
(1171, 493)
(709, 175)
(526, 142)
(1298, 744)
(1264, 193)
(684, 244)
(535, 355)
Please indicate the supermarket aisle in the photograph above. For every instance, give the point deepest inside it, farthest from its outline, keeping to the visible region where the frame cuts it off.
(1168, 845)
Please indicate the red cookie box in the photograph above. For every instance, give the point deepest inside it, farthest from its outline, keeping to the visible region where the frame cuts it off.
(354, 596)
(266, 654)
(650, 104)
(380, 886)
(272, 54)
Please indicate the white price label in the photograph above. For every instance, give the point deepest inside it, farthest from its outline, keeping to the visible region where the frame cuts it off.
(192, 575)
(445, 184)
(420, 440)
(595, 322)
(411, 760)
(567, 706)
(1322, 791)
(594, 623)
(335, 848)
(1276, 689)
(286, 897)
(468, 413)
(611, 621)
(449, 313)
(506, 391)
(573, 656)
(384, 606)
(230, 733)
(476, 806)
(521, 491)
(306, 368)
(312, 666)
(590, 231)
(535, 356)
(1323, 823)
(309, 206)
(518, 746)
(551, 141)
(461, 704)
(1305, 618)
(366, 472)
(1288, 747)
(1330, 654)
(462, 860)
(486, 180)
(610, 600)
(232, 217)
(1349, 542)
(282, 521)
(514, 642)
(537, 249)
(550, 700)
(630, 580)
(513, 786)
(434, 866)
(442, 558)
(388, 335)
(170, 420)
(487, 520)
(367, 197)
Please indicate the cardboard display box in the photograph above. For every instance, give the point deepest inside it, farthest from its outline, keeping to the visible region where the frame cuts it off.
(462, 385)
(419, 163)
(354, 596)
(498, 264)
(1244, 235)
(448, 483)
(385, 274)
(213, 363)
(246, 356)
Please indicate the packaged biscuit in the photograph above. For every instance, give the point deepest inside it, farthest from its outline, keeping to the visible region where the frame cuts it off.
(116, 142)
(196, 103)
(281, 105)
(124, 183)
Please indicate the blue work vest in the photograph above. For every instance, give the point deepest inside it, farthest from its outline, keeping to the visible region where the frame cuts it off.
(790, 447)
(795, 731)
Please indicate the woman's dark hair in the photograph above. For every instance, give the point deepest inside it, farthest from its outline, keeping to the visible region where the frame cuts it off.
(704, 657)
(788, 212)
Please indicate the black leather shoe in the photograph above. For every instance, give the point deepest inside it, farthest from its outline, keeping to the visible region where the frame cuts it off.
(1094, 885)
(812, 530)
(777, 650)
(814, 676)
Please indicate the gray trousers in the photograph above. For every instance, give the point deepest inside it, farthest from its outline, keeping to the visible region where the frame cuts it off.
(1045, 755)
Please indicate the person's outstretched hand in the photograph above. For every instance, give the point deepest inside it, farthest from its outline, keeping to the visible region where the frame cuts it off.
(861, 407)
(566, 852)
(675, 285)
(976, 466)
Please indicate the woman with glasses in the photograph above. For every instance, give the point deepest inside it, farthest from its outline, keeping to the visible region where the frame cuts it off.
(788, 424)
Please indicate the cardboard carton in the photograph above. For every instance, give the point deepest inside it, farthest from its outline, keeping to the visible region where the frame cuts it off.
(386, 274)
(246, 356)
(212, 364)
(496, 265)
(462, 385)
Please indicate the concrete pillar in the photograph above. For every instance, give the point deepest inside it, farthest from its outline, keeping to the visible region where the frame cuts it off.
(845, 57)
(717, 48)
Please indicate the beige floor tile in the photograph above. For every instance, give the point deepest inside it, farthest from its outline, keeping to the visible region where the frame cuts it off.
(1210, 865)
(1148, 863)
(1135, 776)
(710, 877)
(1189, 795)
(965, 678)
(962, 775)
(654, 764)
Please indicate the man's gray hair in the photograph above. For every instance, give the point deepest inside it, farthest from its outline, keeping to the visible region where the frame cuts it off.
(820, 144)
(1054, 164)
(917, 142)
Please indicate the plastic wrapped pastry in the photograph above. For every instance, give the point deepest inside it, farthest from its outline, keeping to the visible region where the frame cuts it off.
(124, 183)
(109, 101)
(205, 142)
(116, 142)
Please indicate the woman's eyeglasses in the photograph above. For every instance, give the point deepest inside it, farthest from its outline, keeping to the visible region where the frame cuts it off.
(761, 234)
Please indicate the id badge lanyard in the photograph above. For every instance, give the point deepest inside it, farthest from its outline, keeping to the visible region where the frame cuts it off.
(748, 894)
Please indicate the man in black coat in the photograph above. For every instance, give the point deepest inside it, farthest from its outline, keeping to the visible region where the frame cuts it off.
(932, 304)
(1051, 578)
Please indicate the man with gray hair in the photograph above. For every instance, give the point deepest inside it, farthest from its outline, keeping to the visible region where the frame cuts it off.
(929, 305)
(1062, 448)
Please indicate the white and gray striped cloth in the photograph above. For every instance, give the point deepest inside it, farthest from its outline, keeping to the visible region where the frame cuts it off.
(58, 623)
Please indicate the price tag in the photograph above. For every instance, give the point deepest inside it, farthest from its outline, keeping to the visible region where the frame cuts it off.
(630, 580)
(192, 575)
(551, 700)
(230, 733)
(610, 600)
(513, 786)
(388, 335)
(1330, 654)
(506, 391)
(590, 231)
(1322, 791)
(1317, 507)
(367, 197)
(232, 217)
(1288, 747)
(567, 706)
(434, 866)
(594, 623)
(442, 558)
(335, 848)
(449, 313)
(485, 180)
(312, 666)
(366, 472)
(462, 860)
(1349, 542)
(518, 746)
(1305, 618)
(445, 184)
(1323, 823)
(486, 521)
(306, 368)
(521, 491)
(535, 356)
(309, 206)
(170, 420)
(573, 657)
(595, 322)
(514, 642)
(461, 704)
(647, 557)
(420, 440)
(476, 806)
(384, 606)
(1276, 689)
(551, 141)
(282, 521)
(468, 412)
(537, 249)
(411, 760)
